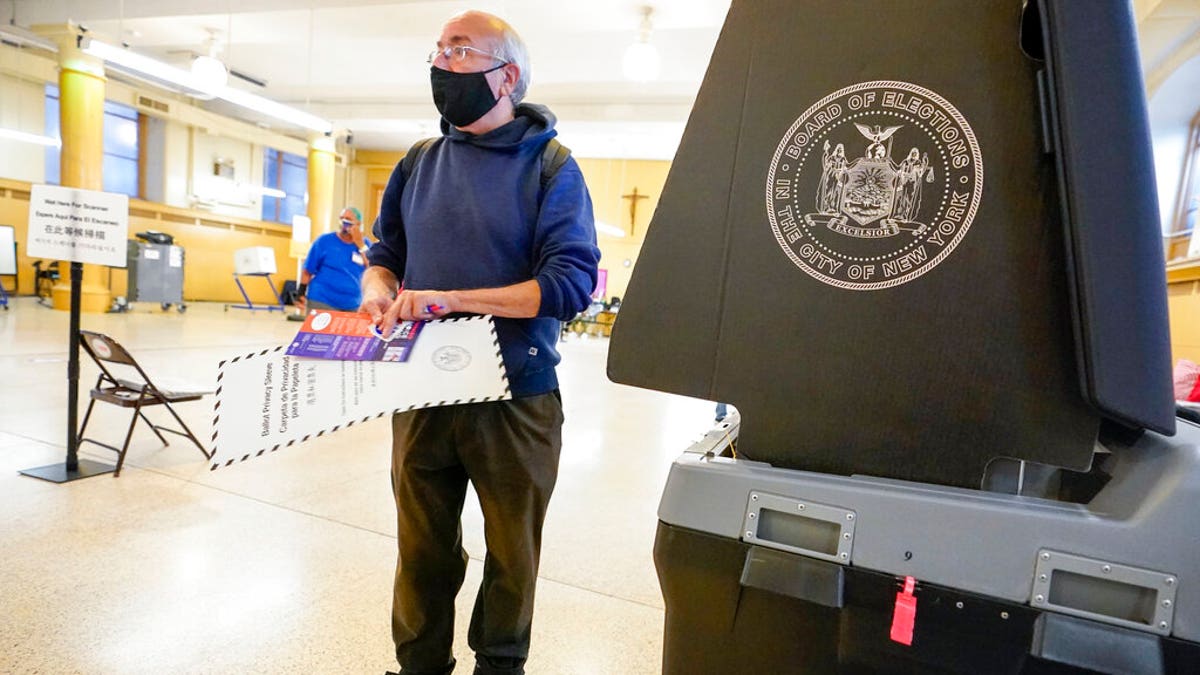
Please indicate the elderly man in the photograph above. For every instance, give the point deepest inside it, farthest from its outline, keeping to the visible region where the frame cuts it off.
(476, 222)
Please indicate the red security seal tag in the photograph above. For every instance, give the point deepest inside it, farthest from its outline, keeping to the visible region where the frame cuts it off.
(904, 616)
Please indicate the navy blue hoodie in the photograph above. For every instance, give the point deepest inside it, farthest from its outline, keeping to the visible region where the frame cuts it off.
(473, 214)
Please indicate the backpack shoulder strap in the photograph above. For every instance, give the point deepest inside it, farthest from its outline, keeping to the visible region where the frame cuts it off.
(414, 155)
(554, 156)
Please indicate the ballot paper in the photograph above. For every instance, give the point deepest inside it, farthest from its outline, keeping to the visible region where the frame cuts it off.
(270, 400)
(348, 336)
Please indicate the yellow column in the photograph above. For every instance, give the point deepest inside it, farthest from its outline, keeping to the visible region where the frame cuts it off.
(81, 118)
(321, 156)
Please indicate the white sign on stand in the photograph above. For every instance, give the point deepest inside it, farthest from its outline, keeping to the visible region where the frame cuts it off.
(301, 229)
(301, 240)
(78, 225)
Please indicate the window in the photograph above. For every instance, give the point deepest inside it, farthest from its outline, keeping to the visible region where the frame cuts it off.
(289, 173)
(120, 145)
(1187, 206)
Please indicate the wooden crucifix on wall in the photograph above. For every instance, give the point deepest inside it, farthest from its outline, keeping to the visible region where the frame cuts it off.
(633, 198)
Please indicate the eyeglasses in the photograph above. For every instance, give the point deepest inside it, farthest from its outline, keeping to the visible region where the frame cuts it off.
(459, 54)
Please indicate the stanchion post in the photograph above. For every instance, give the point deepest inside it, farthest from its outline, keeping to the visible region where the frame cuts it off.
(73, 371)
(74, 468)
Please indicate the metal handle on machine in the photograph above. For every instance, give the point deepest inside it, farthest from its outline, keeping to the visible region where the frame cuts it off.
(798, 526)
(1104, 591)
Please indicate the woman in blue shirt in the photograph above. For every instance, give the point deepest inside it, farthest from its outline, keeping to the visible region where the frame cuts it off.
(334, 267)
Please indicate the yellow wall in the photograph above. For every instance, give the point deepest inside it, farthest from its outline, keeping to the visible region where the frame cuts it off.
(607, 181)
(369, 173)
(1183, 306)
(208, 242)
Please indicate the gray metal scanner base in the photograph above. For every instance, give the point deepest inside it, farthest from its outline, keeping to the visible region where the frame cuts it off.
(1005, 583)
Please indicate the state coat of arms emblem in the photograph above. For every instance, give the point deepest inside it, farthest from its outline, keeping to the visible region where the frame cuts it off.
(874, 185)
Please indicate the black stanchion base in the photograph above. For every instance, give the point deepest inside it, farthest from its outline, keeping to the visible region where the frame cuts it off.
(58, 473)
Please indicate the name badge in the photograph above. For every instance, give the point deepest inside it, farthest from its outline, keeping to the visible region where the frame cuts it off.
(356, 257)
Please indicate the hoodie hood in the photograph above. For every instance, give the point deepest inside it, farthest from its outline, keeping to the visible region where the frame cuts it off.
(532, 123)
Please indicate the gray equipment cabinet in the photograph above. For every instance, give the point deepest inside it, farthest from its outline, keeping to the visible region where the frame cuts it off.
(156, 274)
(923, 242)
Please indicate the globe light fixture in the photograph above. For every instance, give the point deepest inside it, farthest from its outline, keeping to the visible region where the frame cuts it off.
(210, 72)
(641, 62)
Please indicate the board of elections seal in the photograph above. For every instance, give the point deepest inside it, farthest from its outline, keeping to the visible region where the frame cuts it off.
(874, 185)
(451, 357)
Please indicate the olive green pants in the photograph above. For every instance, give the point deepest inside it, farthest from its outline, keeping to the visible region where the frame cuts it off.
(509, 452)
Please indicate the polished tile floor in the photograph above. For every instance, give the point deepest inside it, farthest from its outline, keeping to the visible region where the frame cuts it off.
(283, 564)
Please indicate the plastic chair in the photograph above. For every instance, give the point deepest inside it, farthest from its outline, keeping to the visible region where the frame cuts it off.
(131, 394)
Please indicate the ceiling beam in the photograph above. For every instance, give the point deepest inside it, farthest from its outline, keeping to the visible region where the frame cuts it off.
(1184, 51)
(1144, 9)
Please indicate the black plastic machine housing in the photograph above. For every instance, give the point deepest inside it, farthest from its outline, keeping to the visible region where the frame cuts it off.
(1039, 309)
(913, 241)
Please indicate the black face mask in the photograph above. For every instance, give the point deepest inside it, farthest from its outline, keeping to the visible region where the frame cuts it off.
(462, 98)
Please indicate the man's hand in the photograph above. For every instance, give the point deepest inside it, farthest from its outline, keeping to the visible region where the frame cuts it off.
(376, 304)
(416, 306)
(518, 301)
(356, 236)
(378, 287)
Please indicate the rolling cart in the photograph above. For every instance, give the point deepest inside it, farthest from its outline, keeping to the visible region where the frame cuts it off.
(155, 267)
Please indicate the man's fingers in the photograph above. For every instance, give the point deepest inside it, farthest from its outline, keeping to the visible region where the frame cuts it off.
(417, 306)
(374, 308)
(388, 321)
(410, 310)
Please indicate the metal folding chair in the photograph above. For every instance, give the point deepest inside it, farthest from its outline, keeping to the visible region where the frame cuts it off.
(131, 394)
(43, 280)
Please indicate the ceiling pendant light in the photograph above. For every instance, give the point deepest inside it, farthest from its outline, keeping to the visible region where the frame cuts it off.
(641, 62)
(207, 68)
(210, 72)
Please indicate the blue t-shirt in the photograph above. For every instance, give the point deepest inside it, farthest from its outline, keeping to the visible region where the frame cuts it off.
(337, 274)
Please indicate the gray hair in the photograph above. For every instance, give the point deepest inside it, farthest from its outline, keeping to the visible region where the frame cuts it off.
(512, 49)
